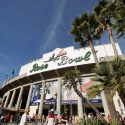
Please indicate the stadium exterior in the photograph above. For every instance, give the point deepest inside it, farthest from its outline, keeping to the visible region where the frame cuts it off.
(39, 84)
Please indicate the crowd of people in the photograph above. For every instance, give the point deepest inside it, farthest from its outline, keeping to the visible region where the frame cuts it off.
(52, 119)
(66, 119)
(6, 118)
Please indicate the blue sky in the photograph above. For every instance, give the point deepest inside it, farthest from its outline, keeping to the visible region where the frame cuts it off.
(29, 28)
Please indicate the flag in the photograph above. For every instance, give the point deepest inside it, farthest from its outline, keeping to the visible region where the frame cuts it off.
(13, 72)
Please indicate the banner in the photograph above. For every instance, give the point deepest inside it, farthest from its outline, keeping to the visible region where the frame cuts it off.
(50, 94)
(35, 93)
(51, 90)
(85, 84)
(68, 95)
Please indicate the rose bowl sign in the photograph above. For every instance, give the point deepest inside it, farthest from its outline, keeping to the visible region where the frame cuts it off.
(59, 58)
(66, 57)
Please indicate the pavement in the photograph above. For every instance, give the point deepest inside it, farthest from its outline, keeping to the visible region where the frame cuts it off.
(8, 124)
(14, 124)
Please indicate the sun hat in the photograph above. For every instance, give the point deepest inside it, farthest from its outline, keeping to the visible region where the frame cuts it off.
(52, 110)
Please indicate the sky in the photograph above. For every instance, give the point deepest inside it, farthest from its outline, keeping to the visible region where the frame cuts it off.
(30, 28)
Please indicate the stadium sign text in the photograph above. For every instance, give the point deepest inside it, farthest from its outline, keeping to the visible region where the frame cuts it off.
(62, 59)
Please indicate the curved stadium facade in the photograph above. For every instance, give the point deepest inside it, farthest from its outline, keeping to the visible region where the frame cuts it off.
(40, 87)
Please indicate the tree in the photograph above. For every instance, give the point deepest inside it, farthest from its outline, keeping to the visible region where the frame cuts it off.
(71, 79)
(105, 11)
(120, 19)
(84, 31)
(110, 75)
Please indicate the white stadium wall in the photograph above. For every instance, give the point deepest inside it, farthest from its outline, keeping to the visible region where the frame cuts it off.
(60, 58)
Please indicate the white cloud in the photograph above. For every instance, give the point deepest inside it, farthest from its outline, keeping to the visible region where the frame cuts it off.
(2, 56)
(49, 38)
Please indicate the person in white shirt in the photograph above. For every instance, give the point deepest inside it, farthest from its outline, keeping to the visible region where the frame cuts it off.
(24, 117)
(50, 118)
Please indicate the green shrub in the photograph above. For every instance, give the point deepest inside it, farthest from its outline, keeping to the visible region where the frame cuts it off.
(96, 121)
(115, 122)
(92, 121)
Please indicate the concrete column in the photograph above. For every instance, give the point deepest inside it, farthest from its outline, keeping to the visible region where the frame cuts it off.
(12, 98)
(64, 108)
(8, 94)
(71, 109)
(19, 98)
(105, 104)
(80, 104)
(29, 96)
(4, 99)
(42, 98)
(59, 93)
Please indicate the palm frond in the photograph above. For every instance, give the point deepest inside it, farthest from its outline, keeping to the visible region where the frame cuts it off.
(84, 28)
(111, 74)
(103, 69)
(100, 7)
(119, 17)
(94, 90)
(84, 17)
(71, 78)
(84, 43)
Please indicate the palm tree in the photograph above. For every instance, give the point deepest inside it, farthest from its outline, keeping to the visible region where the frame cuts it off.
(105, 13)
(110, 75)
(72, 79)
(84, 31)
(120, 19)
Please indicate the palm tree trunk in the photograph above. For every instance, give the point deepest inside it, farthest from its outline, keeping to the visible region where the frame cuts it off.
(94, 52)
(84, 99)
(122, 98)
(111, 106)
(112, 40)
(122, 95)
(110, 103)
(112, 110)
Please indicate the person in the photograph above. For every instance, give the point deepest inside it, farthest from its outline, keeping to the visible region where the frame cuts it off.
(33, 118)
(1, 118)
(65, 117)
(36, 118)
(24, 117)
(89, 115)
(11, 118)
(109, 118)
(50, 120)
(7, 118)
(76, 120)
(56, 117)
(43, 119)
(123, 120)
(119, 116)
(18, 117)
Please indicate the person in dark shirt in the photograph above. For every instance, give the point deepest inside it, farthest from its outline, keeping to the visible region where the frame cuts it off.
(65, 117)
(18, 117)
